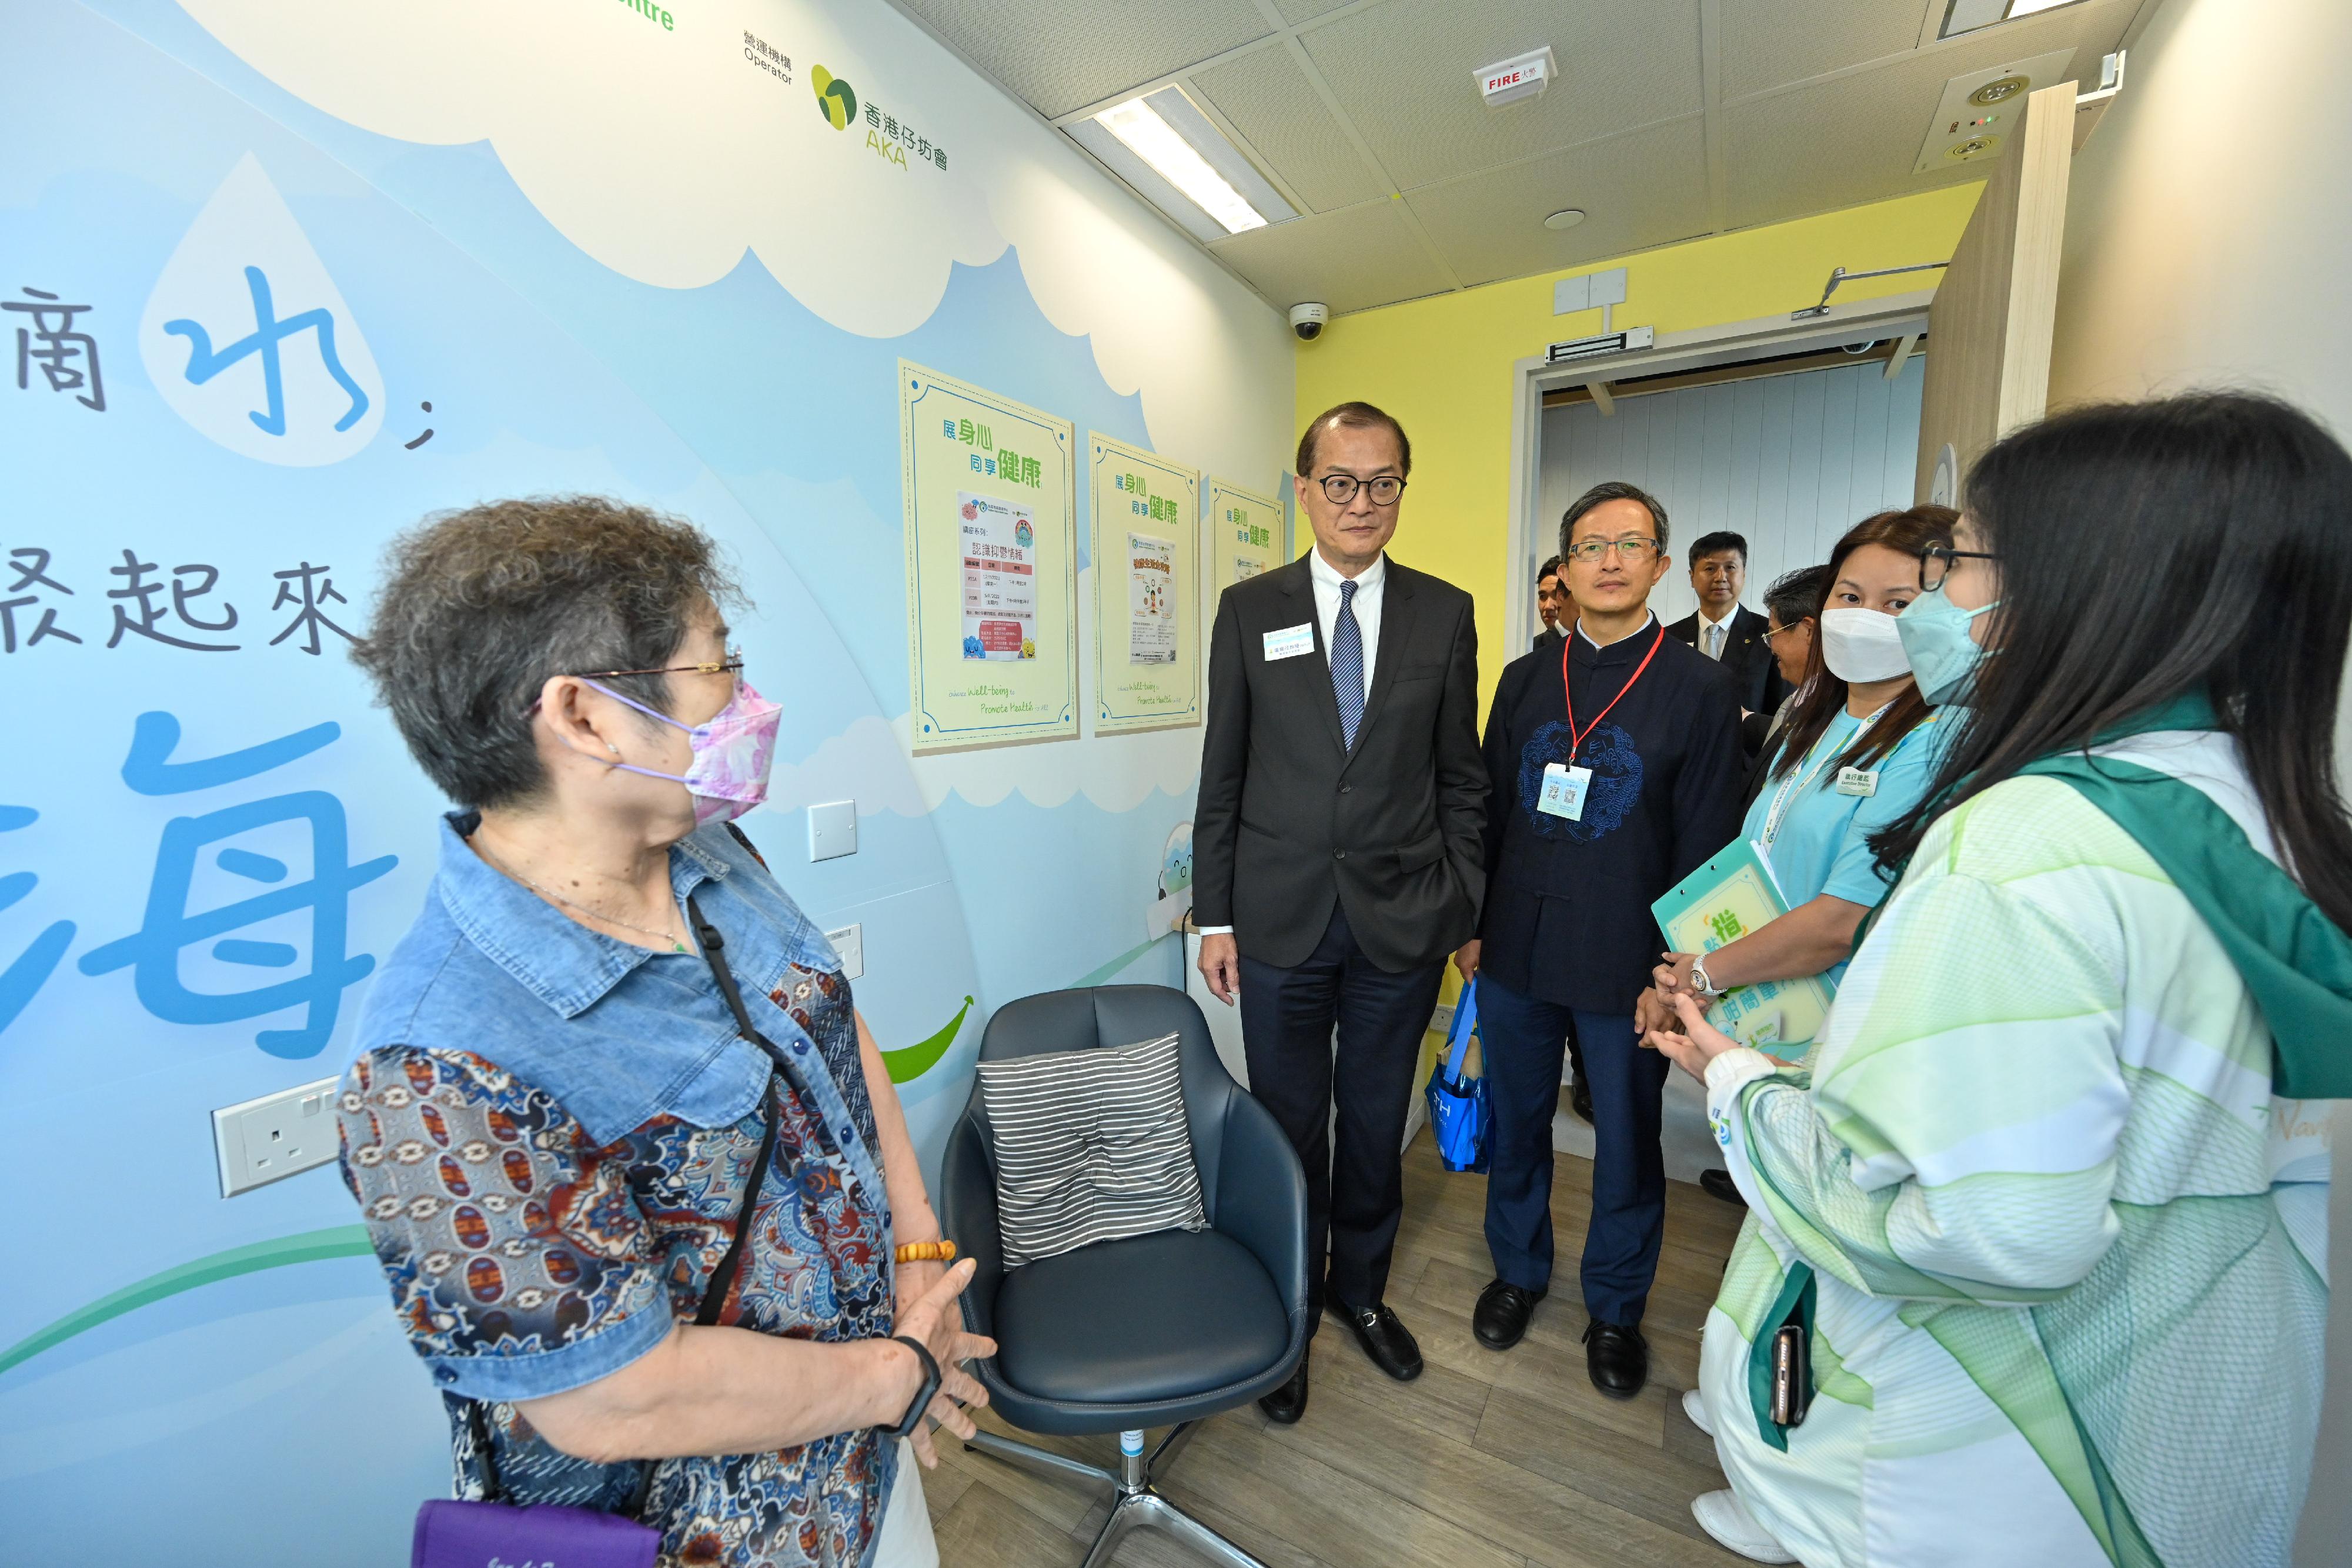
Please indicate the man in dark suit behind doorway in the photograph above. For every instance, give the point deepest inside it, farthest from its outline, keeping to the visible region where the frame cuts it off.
(1731, 633)
(1338, 851)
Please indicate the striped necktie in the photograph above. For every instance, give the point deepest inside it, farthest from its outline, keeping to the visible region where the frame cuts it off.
(1348, 664)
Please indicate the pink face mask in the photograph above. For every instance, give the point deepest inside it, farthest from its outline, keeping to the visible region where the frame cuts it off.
(732, 754)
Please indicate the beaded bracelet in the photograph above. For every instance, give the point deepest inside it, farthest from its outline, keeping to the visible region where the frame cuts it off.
(926, 1252)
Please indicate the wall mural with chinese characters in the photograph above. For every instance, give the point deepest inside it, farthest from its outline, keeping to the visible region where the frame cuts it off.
(278, 280)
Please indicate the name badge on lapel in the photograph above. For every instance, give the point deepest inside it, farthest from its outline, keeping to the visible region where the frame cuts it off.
(1857, 781)
(1563, 792)
(1290, 642)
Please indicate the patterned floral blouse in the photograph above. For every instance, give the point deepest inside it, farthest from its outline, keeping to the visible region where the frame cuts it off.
(549, 1134)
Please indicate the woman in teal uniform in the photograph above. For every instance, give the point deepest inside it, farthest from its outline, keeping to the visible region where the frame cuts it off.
(1857, 754)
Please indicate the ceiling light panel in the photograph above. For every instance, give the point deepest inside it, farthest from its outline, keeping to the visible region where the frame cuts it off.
(1170, 152)
(1968, 15)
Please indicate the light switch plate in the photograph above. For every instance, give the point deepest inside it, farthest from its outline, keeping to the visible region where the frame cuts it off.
(279, 1136)
(832, 829)
(849, 942)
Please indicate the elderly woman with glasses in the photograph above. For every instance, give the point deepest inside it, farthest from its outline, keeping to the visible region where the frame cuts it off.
(636, 1176)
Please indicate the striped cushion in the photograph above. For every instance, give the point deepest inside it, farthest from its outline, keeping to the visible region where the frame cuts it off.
(1091, 1145)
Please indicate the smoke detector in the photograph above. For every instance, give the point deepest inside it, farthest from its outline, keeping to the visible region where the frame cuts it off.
(1513, 80)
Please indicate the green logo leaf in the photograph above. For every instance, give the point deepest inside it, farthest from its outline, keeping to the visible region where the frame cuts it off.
(835, 99)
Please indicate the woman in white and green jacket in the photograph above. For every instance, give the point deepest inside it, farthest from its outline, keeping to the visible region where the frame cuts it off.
(2051, 1205)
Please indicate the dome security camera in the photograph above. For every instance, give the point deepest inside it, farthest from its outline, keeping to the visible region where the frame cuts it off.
(1307, 320)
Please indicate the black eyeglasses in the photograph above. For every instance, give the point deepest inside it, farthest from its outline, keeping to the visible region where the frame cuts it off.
(1936, 563)
(1340, 488)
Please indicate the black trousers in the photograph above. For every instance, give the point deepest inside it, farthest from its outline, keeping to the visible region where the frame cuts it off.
(1354, 1186)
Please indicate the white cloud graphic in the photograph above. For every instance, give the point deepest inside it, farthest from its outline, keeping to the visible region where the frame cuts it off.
(665, 154)
(1115, 772)
(872, 763)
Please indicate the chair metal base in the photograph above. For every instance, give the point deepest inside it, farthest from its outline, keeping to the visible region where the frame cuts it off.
(1137, 1503)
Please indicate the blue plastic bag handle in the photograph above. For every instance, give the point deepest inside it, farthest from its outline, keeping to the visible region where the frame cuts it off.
(1465, 1020)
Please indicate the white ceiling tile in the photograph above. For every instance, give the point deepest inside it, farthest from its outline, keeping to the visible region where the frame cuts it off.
(1853, 140)
(1406, 72)
(1269, 101)
(1350, 260)
(1062, 55)
(1645, 189)
(1770, 43)
(1295, 11)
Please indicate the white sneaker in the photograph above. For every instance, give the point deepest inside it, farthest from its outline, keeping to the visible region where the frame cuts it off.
(1695, 1407)
(1726, 1518)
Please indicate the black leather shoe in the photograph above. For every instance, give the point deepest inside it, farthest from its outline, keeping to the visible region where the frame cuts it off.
(1580, 1100)
(1617, 1358)
(1501, 1318)
(1718, 1183)
(1286, 1403)
(1388, 1342)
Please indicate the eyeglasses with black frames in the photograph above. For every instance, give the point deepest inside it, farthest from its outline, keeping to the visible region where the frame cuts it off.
(1936, 563)
(1340, 488)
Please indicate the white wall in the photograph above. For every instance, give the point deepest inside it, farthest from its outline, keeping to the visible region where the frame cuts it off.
(2208, 228)
(1791, 462)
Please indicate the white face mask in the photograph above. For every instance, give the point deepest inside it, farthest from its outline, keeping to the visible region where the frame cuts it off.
(1862, 646)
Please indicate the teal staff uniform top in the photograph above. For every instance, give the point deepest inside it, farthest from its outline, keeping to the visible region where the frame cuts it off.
(1823, 842)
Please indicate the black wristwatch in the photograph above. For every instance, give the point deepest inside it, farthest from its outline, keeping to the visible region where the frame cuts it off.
(923, 1396)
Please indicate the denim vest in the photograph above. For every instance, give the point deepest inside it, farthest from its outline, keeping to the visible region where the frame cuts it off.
(619, 1078)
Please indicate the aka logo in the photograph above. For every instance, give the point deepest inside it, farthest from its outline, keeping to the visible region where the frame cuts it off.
(835, 99)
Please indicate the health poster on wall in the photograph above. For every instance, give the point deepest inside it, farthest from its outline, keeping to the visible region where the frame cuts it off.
(1244, 533)
(1000, 578)
(991, 497)
(1146, 514)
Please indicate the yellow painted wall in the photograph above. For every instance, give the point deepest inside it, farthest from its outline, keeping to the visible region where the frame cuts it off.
(1442, 365)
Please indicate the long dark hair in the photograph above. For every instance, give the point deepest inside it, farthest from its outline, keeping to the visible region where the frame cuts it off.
(1908, 532)
(2148, 550)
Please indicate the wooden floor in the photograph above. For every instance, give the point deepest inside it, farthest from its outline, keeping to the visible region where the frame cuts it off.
(1485, 1462)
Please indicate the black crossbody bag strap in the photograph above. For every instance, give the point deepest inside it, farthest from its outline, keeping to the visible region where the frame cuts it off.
(722, 1279)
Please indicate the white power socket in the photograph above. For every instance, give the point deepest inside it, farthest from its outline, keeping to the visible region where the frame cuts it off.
(850, 943)
(279, 1136)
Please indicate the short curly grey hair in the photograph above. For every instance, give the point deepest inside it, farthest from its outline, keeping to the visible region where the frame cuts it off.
(480, 607)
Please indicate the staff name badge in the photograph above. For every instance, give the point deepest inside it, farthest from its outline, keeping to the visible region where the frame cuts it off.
(1563, 792)
(1857, 781)
(1290, 642)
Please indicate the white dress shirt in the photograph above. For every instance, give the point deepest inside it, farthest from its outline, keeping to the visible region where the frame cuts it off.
(1367, 606)
(1713, 634)
(1369, 583)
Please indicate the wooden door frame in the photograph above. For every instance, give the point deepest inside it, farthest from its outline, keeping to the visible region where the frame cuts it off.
(1700, 347)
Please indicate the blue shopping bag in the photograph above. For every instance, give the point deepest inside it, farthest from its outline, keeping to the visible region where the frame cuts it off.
(1459, 1116)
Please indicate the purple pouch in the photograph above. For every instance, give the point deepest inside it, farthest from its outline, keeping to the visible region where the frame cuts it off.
(499, 1535)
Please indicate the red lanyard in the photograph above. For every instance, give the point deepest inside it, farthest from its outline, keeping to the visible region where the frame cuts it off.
(1575, 740)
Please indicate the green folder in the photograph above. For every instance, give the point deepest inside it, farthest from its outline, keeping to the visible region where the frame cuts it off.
(1733, 894)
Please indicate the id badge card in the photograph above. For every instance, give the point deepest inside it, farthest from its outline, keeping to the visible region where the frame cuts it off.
(1857, 781)
(1290, 643)
(1563, 792)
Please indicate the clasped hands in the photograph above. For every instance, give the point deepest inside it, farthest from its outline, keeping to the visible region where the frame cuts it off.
(928, 1312)
(1673, 1000)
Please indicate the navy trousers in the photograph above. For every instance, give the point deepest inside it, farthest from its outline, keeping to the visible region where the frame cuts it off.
(1355, 1188)
(1523, 1041)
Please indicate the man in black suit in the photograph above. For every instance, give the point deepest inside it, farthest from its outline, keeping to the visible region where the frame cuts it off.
(1729, 632)
(1551, 601)
(1338, 851)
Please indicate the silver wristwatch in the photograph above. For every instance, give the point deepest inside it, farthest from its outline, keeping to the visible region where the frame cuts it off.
(1699, 981)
